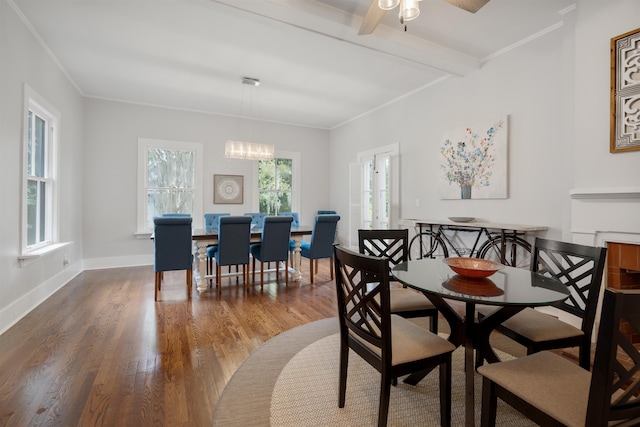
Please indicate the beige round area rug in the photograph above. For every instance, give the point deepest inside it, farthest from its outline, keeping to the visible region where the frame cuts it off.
(306, 393)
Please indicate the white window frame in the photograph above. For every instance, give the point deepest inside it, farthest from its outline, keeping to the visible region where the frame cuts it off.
(295, 180)
(143, 145)
(38, 105)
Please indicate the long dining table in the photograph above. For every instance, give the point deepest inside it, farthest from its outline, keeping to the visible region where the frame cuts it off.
(510, 290)
(205, 237)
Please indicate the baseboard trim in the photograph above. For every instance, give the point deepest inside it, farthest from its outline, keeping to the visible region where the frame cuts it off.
(19, 308)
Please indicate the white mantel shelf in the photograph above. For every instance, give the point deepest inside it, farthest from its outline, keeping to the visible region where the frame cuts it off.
(606, 193)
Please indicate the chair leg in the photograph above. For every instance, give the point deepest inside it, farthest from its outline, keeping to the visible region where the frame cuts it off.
(385, 394)
(331, 267)
(261, 274)
(445, 393)
(286, 272)
(156, 285)
(344, 363)
(311, 269)
(253, 274)
(489, 403)
(189, 283)
(218, 274)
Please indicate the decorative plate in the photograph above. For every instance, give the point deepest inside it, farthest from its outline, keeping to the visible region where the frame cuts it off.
(461, 218)
(474, 268)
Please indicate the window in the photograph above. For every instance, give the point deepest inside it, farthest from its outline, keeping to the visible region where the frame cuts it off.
(39, 219)
(169, 181)
(276, 184)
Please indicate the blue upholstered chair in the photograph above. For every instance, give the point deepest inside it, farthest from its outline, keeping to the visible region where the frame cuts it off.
(257, 218)
(294, 223)
(234, 236)
(211, 221)
(294, 215)
(273, 246)
(326, 212)
(176, 215)
(172, 249)
(321, 244)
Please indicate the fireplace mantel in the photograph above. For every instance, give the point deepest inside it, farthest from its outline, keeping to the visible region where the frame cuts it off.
(606, 193)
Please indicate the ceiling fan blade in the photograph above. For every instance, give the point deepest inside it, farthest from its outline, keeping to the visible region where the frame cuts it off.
(372, 19)
(469, 5)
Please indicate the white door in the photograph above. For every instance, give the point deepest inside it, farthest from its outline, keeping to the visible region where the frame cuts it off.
(374, 191)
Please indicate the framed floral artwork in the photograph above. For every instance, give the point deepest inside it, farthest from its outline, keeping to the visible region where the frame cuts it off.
(625, 92)
(474, 161)
(228, 189)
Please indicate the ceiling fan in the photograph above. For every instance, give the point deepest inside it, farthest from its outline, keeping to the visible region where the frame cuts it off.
(408, 10)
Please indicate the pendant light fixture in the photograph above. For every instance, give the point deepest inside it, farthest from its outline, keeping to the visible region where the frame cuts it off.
(244, 150)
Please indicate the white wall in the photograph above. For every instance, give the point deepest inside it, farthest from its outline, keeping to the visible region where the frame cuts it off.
(23, 60)
(111, 137)
(596, 23)
(529, 85)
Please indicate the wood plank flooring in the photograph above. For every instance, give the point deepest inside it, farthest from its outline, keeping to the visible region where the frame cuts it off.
(101, 352)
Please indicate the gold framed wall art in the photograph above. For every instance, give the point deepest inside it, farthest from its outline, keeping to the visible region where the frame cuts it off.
(625, 92)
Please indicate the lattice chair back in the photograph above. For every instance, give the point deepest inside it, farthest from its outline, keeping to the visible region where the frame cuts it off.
(364, 312)
(390, 244)
(615, 382)
(580, 268)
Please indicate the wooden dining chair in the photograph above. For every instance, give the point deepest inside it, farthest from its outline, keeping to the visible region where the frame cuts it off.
(273, 245)
(393, 345)
(553, 391)
(580, 268)
(394, 246)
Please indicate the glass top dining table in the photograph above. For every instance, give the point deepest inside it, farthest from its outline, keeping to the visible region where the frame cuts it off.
(510, 290)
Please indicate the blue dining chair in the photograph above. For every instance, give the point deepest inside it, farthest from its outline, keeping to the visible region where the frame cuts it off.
(211, 221)
(273, 246)
(257, 218)
(294, 215)
(172, 249)
(234, 236)
(321, 245)
(294, 223)
(176, 215)
(326, 212)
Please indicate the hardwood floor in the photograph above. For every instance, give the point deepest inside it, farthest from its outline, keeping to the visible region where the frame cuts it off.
(100, 352)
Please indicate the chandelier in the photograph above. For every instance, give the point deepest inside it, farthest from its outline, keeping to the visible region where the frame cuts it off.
(244, 150)
(248, 150)
(409, 9)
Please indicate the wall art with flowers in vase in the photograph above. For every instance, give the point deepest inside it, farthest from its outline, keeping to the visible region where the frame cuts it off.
(474, 161)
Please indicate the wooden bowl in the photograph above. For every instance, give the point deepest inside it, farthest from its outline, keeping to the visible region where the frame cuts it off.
(475, 268)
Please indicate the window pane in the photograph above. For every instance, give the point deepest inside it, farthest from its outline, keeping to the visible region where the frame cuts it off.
(32, 211)
(43, 213)
(268, 202)
(275, 180)
(170, 168)
(40, 139)
(266, 175)
(284, 202)
(164, 201)
(284, 175)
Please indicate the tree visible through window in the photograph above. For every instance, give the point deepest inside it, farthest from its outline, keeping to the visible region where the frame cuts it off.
(170, 180)
(275, 185)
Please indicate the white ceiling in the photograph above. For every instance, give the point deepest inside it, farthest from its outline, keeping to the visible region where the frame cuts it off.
(315, 70)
